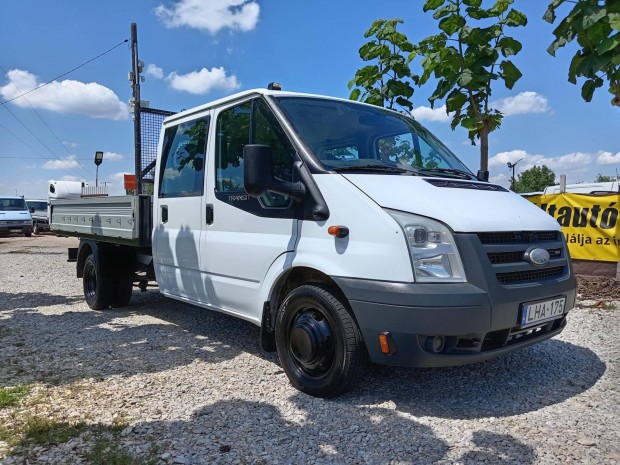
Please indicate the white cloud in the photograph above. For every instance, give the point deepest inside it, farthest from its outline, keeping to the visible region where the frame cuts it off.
(203, 81)
(62, 164)
(155, 71)
(431, 114)
(67, 96)
(607, 158)
(70, 144)
(211, 15)
(575, 165)
(522, 103)
(112, 156)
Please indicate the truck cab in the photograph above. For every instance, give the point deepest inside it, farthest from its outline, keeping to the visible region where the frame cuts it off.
(15, 215)
(348, 232)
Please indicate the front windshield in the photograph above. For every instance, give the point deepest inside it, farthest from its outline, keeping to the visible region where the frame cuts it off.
(38, 205)
(348, 136)
(7, 205)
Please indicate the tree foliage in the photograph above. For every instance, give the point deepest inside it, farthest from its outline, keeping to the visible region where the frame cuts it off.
(603, 178)
(466, 57)
(595, 24)
(535, 179)
(386, 82)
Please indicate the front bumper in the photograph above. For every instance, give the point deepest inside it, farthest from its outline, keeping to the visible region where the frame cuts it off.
(476, 320)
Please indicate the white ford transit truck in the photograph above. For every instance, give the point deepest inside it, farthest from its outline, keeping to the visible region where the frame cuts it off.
(345, 231)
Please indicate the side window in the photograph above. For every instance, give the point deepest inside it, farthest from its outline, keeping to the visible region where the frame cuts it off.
(183, 159)
(251, 123)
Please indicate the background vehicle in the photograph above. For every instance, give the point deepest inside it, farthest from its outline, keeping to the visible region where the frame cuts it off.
(39, 211)
(611, 187)
(14, 215)
(347, 232)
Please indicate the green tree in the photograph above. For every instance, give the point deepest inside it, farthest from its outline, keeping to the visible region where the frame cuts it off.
(387, 82)
(535, 179)
(595, 24)
(466, 57)
(602, 178)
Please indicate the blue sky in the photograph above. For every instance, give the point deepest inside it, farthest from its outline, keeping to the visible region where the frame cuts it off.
(199, 50)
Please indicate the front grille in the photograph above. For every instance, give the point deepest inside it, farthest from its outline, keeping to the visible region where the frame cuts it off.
(517, 257)
(514, 277)
(506, 251)
(522, 237)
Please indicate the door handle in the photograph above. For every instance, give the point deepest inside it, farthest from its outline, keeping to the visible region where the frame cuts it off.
(164, 214)
(209, 214)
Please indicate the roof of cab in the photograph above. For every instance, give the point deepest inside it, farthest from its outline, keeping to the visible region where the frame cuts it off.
(241, 96)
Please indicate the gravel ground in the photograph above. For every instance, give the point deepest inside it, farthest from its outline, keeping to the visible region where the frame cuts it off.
(167, 383)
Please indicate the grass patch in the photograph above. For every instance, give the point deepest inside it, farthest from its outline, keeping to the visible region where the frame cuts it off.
(107, 452)
(40, 430)
(10, 396)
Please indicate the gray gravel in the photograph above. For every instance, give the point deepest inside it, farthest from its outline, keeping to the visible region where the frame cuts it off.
(171, 383)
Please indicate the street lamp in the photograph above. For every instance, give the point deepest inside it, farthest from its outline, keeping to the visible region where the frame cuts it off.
(512, 165)
(98, 160)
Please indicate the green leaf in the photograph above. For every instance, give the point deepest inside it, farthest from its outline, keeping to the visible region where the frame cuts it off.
(593, 16)
(445, 11)
(475, 3)
(501, 6)
(608, 44)
(432, 4)
(465, 78)
(515, 18)
(509, 46)
(355, 95)
(455, 100)
(510, 73)
(477, 13)
(451, 24)
(549, 15)
(614, 21)
(587, 90)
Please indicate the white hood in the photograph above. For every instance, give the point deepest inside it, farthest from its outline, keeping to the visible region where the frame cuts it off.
(463, 210)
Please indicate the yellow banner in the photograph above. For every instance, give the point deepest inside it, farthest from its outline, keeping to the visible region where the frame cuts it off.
(589, 223)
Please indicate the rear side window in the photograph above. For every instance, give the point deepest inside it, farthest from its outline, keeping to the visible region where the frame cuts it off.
(183, 159)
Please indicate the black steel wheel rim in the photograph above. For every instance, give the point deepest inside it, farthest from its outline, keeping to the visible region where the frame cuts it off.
(311, 342)
(90, 282)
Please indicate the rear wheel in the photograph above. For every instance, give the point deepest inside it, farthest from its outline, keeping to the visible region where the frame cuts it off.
(319, 344)
(95, 283)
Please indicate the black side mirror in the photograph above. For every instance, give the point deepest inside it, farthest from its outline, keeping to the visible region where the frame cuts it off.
(258, 175)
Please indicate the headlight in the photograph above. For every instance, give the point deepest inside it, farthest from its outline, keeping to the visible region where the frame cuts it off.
(433, 251)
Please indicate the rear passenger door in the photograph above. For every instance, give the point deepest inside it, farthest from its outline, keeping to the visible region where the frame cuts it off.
(178, 215)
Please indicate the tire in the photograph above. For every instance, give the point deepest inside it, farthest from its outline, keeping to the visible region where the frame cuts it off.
(27, 234)
(95, 283)
(36, 231)
(319, 344)
(123, 289)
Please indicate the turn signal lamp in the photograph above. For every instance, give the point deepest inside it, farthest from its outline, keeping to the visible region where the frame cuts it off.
(338, 231)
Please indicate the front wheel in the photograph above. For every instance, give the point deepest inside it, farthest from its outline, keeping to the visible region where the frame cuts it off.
(319, 343)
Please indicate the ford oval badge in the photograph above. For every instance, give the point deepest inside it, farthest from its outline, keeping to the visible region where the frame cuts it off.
(537, 256)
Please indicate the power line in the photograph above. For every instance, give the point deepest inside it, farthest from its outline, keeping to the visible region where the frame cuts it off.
(44, 122)
(64, 74)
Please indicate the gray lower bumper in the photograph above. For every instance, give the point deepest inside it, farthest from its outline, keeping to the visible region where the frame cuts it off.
(471, 324)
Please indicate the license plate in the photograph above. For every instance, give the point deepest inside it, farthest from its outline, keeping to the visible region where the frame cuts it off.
(540, 311)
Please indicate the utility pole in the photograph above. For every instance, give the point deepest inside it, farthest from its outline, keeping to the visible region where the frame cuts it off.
(134, 78)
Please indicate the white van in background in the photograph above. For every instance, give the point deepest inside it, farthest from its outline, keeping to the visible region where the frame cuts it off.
(14, 215)
(39, 210)
(586, 188)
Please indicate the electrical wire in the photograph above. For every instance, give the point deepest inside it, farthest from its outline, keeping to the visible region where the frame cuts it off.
(64, 74)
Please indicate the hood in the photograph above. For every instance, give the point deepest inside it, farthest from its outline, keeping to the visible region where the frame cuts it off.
(455, 203)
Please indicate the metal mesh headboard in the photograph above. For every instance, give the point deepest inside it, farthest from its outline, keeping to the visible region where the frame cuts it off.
(151, 120)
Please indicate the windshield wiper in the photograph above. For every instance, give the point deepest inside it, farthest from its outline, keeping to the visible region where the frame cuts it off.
(446, 172)
(370, 167)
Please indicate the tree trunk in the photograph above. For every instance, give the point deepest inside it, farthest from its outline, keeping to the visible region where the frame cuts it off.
(484, 148)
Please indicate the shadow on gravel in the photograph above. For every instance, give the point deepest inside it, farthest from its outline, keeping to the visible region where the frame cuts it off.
(238, 431)
(524, 381)
(31, 300)
(61, 348)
